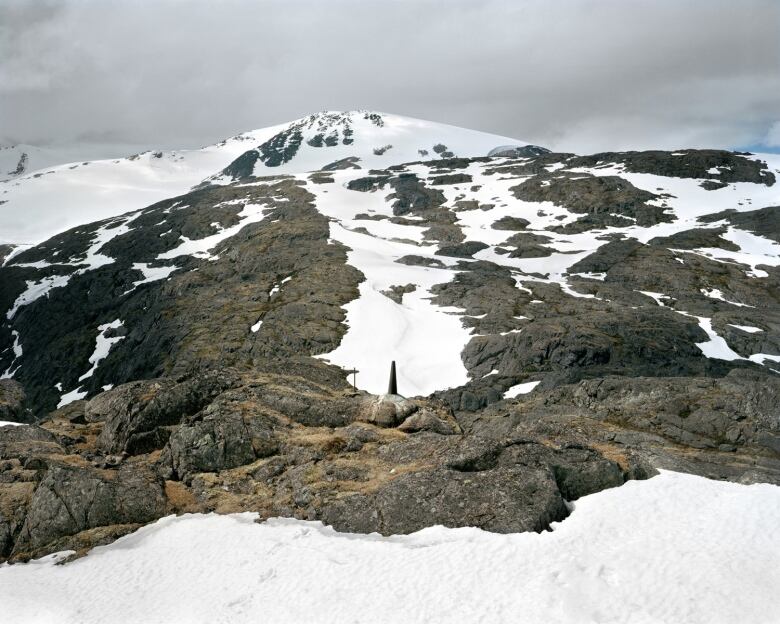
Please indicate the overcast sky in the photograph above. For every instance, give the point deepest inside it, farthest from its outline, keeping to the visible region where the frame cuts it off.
(578, 75)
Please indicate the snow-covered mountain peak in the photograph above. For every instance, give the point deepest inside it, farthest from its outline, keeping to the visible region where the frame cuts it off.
(87, 189)
(358, 139)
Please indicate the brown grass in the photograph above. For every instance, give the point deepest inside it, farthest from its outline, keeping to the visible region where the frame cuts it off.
(180, 498)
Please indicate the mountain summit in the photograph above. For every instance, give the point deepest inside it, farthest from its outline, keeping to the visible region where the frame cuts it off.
(97, 189)
(337, 140)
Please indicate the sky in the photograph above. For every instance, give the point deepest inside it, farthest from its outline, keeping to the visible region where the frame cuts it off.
(571, 75)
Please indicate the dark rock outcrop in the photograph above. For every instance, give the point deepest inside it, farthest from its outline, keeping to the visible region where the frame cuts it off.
(136, 414)
(12, 399)
(71, 499)
(218, 442)
(601, 196)
(762, 222)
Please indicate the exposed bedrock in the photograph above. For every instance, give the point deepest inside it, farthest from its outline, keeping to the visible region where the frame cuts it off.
(12, 402)
(189, 376)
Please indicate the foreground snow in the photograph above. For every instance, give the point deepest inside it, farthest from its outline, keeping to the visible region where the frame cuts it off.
(676, 548)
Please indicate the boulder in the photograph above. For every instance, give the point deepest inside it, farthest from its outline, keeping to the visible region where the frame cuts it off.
(427, 420)
(72, 499)
(135, 414)
(387, 410)
(219, 442)
(26, 441)
(504, 500)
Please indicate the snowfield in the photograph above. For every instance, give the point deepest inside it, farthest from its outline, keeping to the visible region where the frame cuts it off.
(42, 202)
(676, 548)
(425, 339)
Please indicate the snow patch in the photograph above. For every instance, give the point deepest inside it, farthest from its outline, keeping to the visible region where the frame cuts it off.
(103, 345)
(17, 349)
(424, 339)
(150, 273)
(70, 397)
(746, 328)
(714, 293)
(200, 248)
(522, 388)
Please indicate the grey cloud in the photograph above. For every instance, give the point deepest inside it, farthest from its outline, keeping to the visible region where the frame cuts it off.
(581, 75)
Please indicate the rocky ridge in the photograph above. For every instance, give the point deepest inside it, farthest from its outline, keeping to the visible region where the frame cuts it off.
(191, 356)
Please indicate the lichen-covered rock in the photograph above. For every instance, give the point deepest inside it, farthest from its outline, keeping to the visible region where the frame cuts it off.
(763, 222)
(427, 420)
(738, 409)
(465, 249)
(12, 402)
(719, 165)
(135, 414)
(72, 499)
(595, 195)
(504, 500)
(25, 441)
(220, 441)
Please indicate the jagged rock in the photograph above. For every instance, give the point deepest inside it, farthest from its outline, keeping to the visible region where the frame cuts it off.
(6, 541)
(420, 261)
(451, 178)
(5, 250)
(510, 223)
(584, 472)
(72, 499)
(397, 292)
(763, 222)
(218, 442)
(350, 162)
(412, 195)
(523, 151)
(595, 195)
(699, 237)
(320, 177)
(738, 409)
(527, 245)
(732, 167)
(309, 406)
(14, 498)
(463, 205)
(135, 414)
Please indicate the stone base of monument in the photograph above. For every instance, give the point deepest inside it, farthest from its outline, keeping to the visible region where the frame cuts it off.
(387, 410)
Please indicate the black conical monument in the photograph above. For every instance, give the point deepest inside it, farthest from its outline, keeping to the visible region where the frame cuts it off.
(392, 387)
